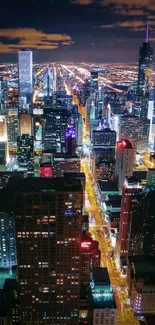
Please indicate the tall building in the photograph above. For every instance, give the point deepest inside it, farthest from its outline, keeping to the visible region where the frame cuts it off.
(145, 62)
(103, 305)
(25, 151)
(25, 75)
(142, 226)
(124, 161)
(56, 120)
(12, 127)
(48, 214)
(64, 163)
(131, 188)
(70, 139)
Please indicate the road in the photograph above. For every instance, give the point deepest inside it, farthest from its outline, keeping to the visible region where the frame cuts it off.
(124, 312)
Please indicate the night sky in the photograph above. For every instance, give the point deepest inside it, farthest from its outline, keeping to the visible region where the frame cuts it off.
(75, 30)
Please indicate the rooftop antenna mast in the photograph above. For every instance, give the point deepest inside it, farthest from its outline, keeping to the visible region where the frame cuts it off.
(147, 33)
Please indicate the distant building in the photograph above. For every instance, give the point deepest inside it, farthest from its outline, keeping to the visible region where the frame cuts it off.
(105, 138)
(12, 127)
(25, 75)
(103, 306)
(25, 154)
(64, 163)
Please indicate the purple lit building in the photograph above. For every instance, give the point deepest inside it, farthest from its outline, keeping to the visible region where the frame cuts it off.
(70, 139)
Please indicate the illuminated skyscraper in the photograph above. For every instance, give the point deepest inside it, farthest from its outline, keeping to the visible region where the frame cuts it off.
(48, 228)
(124, 161)
(145, 63)
(25, 75)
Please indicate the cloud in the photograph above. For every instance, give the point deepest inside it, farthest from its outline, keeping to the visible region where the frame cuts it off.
(12, 40)
(131, 12)
(134, 25)
(82, 2)
(149, 4)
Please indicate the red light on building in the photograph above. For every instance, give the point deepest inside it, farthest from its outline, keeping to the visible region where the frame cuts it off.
(124, 143)
(46, 171)
(86, 244)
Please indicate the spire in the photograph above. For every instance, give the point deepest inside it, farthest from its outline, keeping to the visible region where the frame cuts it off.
(147, 34)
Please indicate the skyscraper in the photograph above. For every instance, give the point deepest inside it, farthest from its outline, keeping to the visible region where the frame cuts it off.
(131, 188)
(142, 227)
(145, 63)
(25, 75)
(48, 214)
(124, 161)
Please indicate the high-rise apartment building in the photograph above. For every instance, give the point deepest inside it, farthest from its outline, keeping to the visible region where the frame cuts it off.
(48, 214)
(131, 188)
(124, 161)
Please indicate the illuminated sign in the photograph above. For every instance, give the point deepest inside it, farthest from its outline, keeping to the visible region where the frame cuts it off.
(86, 244)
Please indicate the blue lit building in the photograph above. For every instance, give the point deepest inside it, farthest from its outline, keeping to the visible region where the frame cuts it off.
(102, 306)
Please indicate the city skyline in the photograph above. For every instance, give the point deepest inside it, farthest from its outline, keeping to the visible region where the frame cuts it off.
(80, 30)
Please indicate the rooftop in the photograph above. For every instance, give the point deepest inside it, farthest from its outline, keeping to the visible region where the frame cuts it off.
(108, 186)
(101, 276)
(35, 184)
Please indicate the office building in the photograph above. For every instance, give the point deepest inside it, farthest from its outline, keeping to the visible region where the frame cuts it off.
(48, 226)
(131, 188)
(141, 285)
(150, 178)
(25, 151)
(103, 306)
(142, 224)
(64, 163)
(145, 62)
(129, 127)
(124, 161)
(25, 77)
(105, 138)
(56, 121)
(70, 139)
(12, 127)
